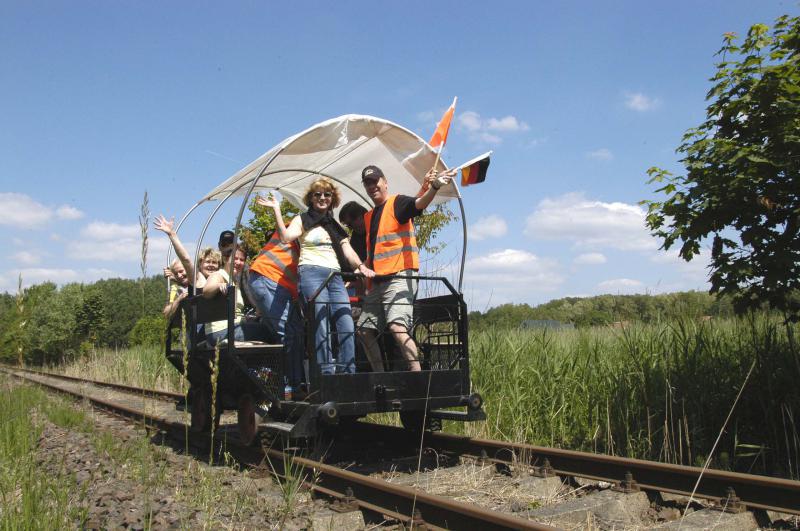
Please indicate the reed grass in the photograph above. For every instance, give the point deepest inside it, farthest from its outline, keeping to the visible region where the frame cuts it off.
(142, 366)
(659, 391)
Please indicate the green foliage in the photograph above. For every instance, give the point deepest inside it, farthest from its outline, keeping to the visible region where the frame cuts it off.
(653, 391)
(61, 324)
(148, 331)
(743, 173)
(605, 310)
(430, 224)
(262, 224)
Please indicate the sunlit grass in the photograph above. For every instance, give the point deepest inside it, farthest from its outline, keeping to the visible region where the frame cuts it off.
(141, 366)
(658, 391)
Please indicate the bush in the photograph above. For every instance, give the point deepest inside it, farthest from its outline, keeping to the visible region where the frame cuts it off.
(148, 331)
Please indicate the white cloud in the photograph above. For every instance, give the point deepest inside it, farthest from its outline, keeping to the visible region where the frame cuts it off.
(641, 102)
(68, 212)
(470, 120)
(601, 154)
(620, 285)
(590, 259)
(425, 116)
(507, 123)
(113, 242)
(26, 258)
(100, 230)
(19, 210)
(489, 138)
(488, 227)
(590, 223)
(488, 131)
(510, 275)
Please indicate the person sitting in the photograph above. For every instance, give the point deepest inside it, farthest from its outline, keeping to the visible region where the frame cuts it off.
(217, 284)
(322, 242)
(273, 289)
(209, 259)
(178, 289)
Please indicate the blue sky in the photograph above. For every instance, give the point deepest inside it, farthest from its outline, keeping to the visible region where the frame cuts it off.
(101, 101)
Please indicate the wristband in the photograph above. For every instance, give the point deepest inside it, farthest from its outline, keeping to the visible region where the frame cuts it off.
(433, 185)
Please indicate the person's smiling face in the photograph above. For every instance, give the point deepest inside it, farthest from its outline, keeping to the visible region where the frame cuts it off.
(321, 200)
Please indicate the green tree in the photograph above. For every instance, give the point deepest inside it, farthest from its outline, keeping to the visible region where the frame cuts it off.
(742, 182)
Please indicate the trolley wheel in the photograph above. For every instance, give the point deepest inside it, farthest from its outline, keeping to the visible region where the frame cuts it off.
(247, 419)
(201, 421)
(419, 421)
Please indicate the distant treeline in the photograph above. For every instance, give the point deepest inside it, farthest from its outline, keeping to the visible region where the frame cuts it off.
(606, 310)
(50, 324)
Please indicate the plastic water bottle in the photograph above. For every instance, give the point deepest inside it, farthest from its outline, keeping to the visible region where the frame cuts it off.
(287, 391)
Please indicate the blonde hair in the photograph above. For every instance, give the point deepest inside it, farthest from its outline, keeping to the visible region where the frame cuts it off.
(323, 184)
(174, 264)
(210, 252)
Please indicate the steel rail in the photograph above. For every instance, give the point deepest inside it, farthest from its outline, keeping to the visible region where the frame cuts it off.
(121, 387)
(754, 491)
(406, 504)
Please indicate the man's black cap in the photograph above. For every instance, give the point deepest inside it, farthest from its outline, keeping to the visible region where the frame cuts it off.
(225, 238)
(371, 173)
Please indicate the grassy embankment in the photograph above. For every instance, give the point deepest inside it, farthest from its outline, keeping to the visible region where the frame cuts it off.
(658, 391)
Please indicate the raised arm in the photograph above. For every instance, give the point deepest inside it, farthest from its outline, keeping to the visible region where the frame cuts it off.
(434, 182)
(167, 226)
(287, 234)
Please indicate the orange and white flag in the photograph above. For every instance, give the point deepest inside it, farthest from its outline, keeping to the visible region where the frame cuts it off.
(439, 137)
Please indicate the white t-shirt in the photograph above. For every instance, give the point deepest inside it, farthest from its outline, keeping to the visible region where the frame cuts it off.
(316, 248)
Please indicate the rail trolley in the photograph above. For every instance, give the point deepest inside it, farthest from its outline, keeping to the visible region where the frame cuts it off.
(249, 377)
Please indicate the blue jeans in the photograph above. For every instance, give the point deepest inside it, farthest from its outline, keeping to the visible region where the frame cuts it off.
(282, 320)
(241, 332)
(331, 308)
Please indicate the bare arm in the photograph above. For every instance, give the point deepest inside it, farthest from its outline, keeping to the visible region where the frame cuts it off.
(434, 182)
(172, 307)
(354, 260)
(168, 227)
(215, 284)
(287, 234)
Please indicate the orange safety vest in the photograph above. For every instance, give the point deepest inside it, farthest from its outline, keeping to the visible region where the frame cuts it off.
(278, 261)
(395, 244)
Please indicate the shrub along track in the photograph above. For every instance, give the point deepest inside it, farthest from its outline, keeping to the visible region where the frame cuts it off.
(525, 463)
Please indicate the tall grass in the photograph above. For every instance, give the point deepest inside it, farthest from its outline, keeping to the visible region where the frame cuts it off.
(29, 497)
(658, 391)
(143, 366)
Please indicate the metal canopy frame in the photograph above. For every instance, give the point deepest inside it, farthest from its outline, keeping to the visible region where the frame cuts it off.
(308, 173)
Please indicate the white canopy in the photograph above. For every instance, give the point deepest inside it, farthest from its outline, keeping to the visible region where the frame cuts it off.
(340, 148)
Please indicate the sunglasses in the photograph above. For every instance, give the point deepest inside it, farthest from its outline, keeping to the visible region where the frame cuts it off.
(326, 195)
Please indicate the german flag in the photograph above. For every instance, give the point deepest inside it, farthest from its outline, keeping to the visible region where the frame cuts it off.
(474, 171)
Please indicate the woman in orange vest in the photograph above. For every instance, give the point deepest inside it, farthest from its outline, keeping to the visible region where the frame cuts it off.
(324, 247)
(273, 283)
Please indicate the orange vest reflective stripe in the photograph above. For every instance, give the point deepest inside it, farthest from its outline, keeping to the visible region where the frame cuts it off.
(395, 244)
(278, 261)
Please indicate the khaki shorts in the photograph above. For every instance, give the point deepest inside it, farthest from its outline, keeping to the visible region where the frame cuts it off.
(390, 301)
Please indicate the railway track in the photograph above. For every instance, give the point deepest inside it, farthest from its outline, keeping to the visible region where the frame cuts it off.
(732, 492)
